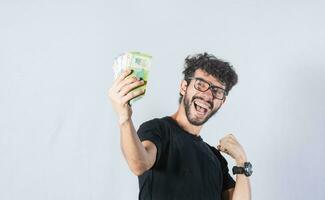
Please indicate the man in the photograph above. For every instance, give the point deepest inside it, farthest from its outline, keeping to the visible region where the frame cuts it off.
(167, 154)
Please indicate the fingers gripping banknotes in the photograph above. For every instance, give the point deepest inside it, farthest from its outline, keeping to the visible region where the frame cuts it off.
(139, 63)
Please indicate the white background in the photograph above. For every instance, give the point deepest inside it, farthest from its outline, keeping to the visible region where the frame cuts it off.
(59, 138)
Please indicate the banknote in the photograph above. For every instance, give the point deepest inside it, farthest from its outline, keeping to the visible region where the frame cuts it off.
(140, 64)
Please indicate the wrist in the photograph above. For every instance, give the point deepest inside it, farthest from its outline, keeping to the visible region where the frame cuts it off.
(246, 169)
(240, 161)
(123, 120)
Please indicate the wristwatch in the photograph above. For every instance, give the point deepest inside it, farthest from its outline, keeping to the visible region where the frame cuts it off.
(247, 169)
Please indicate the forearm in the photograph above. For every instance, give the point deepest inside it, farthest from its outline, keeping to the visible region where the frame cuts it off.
(132, 148)
(242, 189)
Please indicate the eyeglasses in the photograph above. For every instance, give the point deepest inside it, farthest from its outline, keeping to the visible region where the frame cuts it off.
(202, 85)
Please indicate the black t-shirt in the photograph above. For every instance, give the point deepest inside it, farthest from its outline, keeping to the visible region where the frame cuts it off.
(186, 167)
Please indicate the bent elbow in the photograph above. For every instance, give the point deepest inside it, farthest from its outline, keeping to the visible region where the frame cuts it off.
(138, 172)
(138, 169)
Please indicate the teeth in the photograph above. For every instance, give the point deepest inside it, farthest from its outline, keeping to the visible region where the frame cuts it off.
(202, 105)
(200, 109)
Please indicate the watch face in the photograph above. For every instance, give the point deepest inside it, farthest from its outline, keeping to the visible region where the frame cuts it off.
(248, 168)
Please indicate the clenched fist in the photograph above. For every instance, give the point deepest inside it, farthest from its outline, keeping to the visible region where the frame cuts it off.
(120, 94)
(231, 146)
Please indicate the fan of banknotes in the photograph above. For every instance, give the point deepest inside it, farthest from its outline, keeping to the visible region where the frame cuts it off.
(138, 62)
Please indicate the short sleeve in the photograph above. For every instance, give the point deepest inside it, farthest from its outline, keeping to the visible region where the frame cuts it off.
(151, 131)
(228, 181)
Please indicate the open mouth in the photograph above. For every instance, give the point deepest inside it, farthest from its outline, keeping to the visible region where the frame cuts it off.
(200, 107)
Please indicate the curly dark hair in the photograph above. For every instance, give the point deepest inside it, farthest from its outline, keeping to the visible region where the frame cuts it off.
(218, 68)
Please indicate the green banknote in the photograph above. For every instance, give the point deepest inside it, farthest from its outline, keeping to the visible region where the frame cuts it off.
(139, 63)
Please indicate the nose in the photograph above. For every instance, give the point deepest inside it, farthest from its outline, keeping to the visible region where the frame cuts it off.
(207, 96)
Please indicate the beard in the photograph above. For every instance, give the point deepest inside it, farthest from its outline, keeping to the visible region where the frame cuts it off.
(190, 111)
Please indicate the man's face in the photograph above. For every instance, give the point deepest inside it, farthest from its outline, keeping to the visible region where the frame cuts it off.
(200, 106)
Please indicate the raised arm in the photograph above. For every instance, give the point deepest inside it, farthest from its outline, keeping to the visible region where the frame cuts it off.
(140, 156)
(232, 147)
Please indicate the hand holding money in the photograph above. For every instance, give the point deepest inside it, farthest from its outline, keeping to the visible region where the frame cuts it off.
(138, 62)
(121, 93)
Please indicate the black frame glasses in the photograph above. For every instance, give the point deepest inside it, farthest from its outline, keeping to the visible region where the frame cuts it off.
(215, 90)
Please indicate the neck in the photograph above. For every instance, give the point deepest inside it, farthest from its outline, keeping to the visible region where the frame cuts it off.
(182, 121)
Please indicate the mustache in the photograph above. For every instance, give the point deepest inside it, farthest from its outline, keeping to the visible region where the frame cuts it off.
(209, 102)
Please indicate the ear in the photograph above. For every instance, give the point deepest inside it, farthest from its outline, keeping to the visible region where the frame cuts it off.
(183, 87)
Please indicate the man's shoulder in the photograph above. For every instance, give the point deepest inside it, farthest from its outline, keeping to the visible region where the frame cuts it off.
(215, 151)
(154, 128)
(155, 121)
